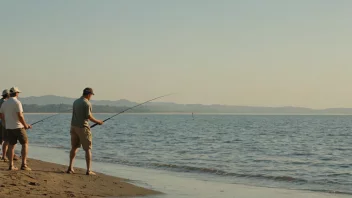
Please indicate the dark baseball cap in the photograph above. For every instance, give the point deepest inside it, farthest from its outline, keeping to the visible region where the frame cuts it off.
(88, 90)
(5, 92)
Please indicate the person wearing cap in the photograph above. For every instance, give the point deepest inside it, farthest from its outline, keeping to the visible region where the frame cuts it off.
(3, 134)
(4, 139)
(80, 129)
(12, 114)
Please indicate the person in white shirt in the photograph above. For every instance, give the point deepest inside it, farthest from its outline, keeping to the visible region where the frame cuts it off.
(11, 113)
(3, 134)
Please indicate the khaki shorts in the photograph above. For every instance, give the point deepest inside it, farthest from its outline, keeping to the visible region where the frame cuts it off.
(81, 136)
(15, 135)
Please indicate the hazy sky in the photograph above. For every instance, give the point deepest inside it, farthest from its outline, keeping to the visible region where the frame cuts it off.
(249, 52)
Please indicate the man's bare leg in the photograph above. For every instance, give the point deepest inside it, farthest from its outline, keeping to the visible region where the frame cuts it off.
(24, 153)
(73, 153)
(89, 162)
(11, 154)
(5, 146)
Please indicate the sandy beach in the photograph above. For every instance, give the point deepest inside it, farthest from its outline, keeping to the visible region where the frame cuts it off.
(50, 180)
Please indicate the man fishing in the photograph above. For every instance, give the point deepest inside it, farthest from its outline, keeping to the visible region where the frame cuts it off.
(11, 113)
(3, 134)
(4, 138)
(80, 129)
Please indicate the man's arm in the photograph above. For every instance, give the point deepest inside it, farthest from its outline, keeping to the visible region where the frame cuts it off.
(91, 117)
(23, 121)
(2, 118)
(19, 111)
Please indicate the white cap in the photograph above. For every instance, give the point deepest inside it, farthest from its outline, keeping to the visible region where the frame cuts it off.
(15, 90)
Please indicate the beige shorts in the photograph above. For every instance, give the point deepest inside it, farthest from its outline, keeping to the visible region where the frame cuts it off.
(81, 136)
(17, 135)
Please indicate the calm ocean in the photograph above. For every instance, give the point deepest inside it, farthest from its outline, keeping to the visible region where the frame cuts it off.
(311, 153)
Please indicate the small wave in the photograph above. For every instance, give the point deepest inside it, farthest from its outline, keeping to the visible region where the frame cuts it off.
(50, 146)
(250, 176)
(331, 192)
(224, 173)
(302, 154)
(338, 174)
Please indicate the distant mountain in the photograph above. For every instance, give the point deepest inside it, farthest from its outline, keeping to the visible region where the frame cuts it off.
(118, 103)
(51, 99)
(50, 103)
(46, 100)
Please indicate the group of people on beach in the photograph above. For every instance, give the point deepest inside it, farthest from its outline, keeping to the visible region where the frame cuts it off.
(13, 128)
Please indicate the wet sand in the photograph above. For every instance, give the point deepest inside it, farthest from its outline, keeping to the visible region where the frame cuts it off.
(50, 180)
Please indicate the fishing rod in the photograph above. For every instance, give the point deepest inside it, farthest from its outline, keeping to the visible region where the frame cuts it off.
(129, 109)
(48, 117)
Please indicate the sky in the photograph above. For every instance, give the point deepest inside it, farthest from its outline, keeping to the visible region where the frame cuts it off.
(248, 52)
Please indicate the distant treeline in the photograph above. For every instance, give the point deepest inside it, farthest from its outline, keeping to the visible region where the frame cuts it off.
(63, 108)
(165, 108)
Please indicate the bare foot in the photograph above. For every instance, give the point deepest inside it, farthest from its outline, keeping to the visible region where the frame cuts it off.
(15, 157)
(25, 167)
(90, 173)
(12, 168)
(70, 171)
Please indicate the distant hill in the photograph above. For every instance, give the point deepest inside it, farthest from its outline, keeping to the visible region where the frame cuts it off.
(46, 100)
(51, 99)
(51, 103)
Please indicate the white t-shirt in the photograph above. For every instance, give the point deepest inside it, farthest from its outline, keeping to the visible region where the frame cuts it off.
(9, 109)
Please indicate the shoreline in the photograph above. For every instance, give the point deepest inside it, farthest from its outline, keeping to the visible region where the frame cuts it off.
(50, 180)
(170, 184)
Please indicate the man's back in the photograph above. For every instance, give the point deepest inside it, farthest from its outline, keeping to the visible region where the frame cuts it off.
(10, 108)
(81, 112)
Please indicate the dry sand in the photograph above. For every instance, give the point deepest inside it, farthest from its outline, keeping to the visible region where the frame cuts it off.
(50, 180)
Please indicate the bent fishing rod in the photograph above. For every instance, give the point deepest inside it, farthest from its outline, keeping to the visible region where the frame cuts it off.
(130, 109)
(49, 117)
